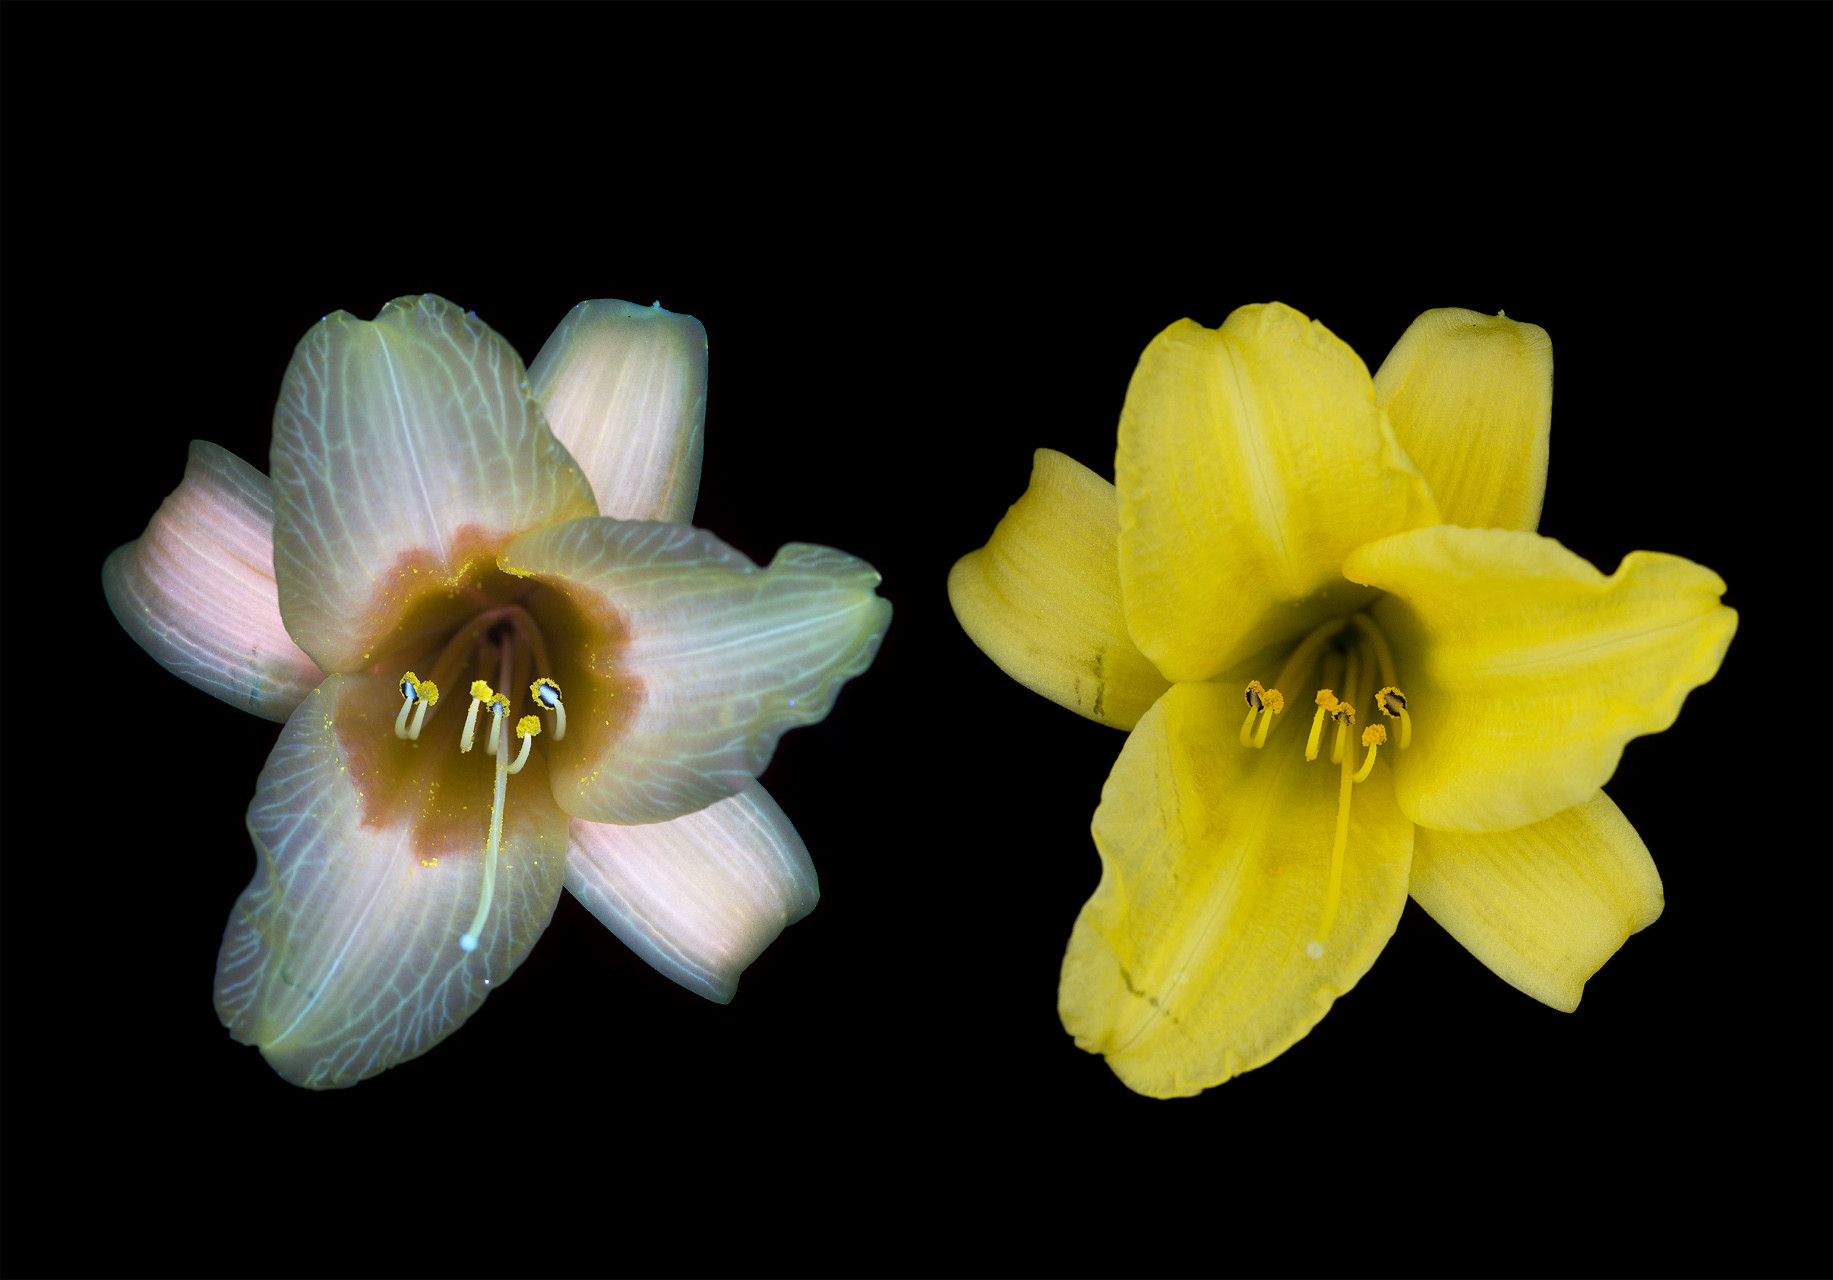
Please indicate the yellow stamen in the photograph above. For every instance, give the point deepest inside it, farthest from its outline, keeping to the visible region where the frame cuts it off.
(480, 694)
(410, 694)
(1372, 737)
(547, 696)
(1276, 703)
(1393, 704)
(526, 729)
(1326, 700)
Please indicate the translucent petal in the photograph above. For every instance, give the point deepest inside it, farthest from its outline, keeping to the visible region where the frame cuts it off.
(1470, 397)
(1544, 905)
(1252, 459)
(406, 454)
(341, 957)
(1526, 670)
(698, 897)
(1189, 965)
(1042, 598)
(624, 389)
(196, 590)
(682, 662)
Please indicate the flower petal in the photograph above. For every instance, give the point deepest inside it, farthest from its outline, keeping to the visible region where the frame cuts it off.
(196, 590)
(341, 957)
(699, 897)
(1545, 905)
(1252, 459)
(1189, 965)
(1470, 397)
(406, 453)
(1526, 670)
(624, 389)
(686, 660)
(1042, 598)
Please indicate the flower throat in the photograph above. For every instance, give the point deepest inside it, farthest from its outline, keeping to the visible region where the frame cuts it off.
(505, 643)
(1348, 662)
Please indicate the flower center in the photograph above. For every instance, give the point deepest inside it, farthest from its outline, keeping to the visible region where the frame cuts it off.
(505, 643)
(1350, 653)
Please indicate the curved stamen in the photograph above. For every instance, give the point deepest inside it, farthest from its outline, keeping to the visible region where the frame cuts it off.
(410, 694)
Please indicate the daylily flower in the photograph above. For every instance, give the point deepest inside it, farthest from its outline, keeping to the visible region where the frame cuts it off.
(1351, 671)
(450, 541)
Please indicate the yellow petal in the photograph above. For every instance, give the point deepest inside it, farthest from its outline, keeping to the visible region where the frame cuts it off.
(624, 389)
(1042, 598)
(1470, 396)
(341, 958)
(196, 590)
(1252, 459)
(1544, 906)
(1189, 964)
(699, 897)
(1526, 670)
(685, 661)
(406, 454)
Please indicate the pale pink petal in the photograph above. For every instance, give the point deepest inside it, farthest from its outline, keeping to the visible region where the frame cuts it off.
(699, 898)
(342, 956)
(196, 590)
(406, 454)
(624, 389)
(682, 662)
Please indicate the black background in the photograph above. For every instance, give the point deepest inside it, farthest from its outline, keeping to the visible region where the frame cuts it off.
(923, 241)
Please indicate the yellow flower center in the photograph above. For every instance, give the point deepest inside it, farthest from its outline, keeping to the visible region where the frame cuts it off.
(507, 643)
(1349, 662)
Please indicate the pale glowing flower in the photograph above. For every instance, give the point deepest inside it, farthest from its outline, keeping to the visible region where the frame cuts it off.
(447, 542)
(1288, 535)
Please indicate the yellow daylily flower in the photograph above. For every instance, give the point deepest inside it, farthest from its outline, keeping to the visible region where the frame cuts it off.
(520, 539)
(1351, 670)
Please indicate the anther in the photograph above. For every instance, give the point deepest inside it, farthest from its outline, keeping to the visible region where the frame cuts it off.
(547, 695)
(410, 694)
(1372, 737)
(526, 729)
(1393, 704)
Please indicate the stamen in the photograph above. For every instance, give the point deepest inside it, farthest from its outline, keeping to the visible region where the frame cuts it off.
(1276, 703)
(547, 694)
(429, 694)
(410, 694)
(1326, 702)
(499, 711)
(480, 694)
(1256, 701)
(526, 729)
(1372, 737)
(468, 942)
(1393, 704)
